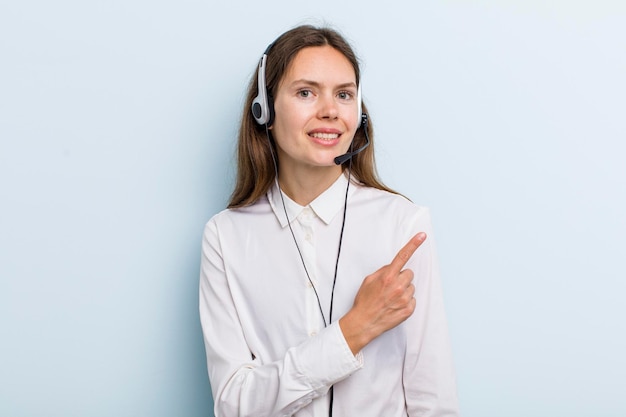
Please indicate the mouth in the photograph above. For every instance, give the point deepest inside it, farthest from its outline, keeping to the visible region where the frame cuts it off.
(325, 136)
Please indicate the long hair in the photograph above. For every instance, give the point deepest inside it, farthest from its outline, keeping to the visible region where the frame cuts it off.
(255, 168)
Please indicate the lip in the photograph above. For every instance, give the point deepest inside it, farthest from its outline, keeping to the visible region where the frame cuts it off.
(326, 141)
(321, 136)
(325, 130)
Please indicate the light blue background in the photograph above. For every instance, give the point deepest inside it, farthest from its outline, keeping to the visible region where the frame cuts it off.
(117, 128)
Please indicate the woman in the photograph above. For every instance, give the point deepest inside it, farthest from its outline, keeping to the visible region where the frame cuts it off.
(301, 311)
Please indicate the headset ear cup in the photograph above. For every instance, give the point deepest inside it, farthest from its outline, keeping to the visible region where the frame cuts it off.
(257, 109)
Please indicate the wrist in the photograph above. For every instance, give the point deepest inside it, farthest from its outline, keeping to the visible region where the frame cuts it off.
(355, 334)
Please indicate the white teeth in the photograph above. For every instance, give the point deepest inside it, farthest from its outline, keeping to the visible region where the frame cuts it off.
(325, 135)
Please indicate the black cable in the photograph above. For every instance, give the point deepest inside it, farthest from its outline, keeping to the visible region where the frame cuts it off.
(343, 224)
(332, 294)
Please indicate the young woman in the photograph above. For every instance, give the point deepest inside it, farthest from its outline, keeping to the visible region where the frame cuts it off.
(319, 290)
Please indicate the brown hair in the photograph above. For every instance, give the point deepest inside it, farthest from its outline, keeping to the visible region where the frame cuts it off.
(255, 169)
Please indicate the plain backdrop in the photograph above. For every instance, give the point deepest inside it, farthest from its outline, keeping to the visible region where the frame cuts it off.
(117, 130)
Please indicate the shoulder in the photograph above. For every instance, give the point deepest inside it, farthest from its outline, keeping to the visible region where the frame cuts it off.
(394, 210)
(240, 217)
(380, 199)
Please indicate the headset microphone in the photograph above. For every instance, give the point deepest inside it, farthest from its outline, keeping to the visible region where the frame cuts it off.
(339, 160)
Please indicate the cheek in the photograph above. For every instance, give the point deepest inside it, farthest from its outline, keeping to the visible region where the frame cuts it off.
(353, 128)
(282, 130)
(287, 120)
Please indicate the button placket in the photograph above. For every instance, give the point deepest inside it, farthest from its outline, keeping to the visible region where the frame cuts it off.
(306, 221)
(314, 318)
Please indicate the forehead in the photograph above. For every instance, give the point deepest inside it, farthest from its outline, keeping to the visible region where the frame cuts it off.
(320, 63)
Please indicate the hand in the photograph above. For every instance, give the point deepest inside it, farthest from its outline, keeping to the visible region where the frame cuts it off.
(384, 300)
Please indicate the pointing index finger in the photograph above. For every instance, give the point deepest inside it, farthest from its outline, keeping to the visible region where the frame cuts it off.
(403, 256)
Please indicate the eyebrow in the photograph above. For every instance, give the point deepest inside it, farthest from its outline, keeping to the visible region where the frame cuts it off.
(316, 84)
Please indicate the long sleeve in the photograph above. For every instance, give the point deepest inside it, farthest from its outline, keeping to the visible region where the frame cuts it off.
(428, 378)
(242, 383)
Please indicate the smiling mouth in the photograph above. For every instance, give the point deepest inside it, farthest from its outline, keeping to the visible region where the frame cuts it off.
(324, 136)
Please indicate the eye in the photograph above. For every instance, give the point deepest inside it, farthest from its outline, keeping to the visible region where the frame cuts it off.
(304, 93)
(345, 95)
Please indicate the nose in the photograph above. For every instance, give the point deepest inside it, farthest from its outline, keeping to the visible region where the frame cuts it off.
(328, 107)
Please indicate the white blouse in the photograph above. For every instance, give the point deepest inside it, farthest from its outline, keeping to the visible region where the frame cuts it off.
(268, 352)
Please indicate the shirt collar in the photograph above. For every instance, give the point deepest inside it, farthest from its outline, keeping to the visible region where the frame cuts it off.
(325, 206)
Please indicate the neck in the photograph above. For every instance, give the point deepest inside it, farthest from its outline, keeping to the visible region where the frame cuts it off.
(306, 183)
